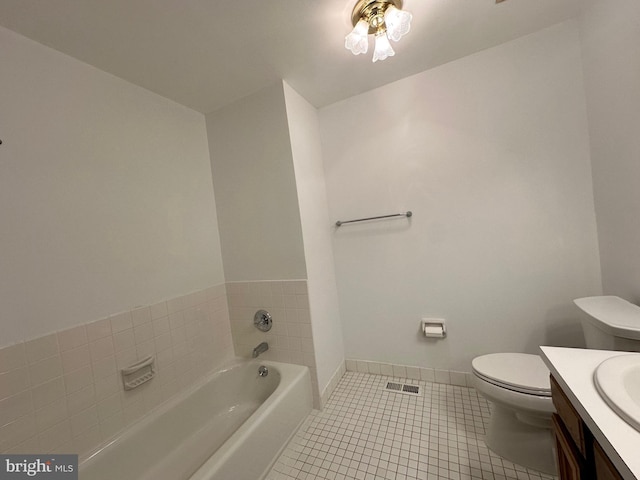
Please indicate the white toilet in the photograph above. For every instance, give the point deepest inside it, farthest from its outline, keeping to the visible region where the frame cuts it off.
(517, 385)
(610, 323)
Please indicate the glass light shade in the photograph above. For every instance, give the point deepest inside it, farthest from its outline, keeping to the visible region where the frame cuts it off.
(398, 23)
(383, 47)
(358, 40)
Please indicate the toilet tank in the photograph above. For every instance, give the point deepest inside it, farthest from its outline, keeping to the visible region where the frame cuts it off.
(610, 323)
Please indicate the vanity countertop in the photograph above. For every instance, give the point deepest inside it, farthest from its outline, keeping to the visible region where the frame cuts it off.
(573, 368)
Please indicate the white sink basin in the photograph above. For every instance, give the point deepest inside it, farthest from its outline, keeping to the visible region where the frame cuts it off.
(618, 382)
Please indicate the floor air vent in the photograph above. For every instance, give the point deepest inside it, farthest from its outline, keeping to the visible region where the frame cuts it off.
(403, 388)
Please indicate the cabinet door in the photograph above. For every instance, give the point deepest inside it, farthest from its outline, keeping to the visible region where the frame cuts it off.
(570, 419)
(605, 470)
(570, 462)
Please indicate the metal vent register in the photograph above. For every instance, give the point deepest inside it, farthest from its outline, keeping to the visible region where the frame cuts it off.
(403, 388)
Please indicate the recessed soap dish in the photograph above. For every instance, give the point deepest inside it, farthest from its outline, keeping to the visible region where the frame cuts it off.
(138, 373)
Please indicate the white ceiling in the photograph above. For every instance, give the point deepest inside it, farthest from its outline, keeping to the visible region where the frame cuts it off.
(207, 53)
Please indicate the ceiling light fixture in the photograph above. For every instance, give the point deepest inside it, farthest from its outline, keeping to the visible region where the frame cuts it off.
(384, 19)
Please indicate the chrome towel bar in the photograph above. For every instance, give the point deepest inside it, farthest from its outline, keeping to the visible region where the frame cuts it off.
(404, 214)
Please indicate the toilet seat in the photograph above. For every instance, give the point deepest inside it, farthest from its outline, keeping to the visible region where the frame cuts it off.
(519, 372)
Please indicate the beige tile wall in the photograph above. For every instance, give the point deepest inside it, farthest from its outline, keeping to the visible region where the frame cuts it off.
(62, 393)
(290, 339)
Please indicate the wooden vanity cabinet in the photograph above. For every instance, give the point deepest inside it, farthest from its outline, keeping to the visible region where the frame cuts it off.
(605, 470)
(571, 464)
(580, 457)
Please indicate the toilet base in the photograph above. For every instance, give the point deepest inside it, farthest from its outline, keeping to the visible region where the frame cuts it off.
(519, 442)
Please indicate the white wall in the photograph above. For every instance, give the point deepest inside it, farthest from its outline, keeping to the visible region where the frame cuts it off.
(106, 199)
(610, 33)
(304, 131)
(491, 154)
(255, 189)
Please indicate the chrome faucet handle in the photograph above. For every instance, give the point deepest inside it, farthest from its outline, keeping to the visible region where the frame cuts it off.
(263, 320)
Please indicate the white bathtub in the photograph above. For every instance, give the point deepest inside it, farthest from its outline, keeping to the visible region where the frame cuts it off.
(231, 426)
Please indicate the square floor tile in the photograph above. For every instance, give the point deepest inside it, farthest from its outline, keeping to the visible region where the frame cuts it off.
(366, 433)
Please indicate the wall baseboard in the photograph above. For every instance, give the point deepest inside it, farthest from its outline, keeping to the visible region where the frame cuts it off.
(434, 375)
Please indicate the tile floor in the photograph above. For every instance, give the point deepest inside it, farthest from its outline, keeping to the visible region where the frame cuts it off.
(366, 433)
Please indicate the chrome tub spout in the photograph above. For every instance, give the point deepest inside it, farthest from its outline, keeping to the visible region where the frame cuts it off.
(263, 347)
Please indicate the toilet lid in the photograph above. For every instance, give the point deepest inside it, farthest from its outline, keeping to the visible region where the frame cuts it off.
(515, 371)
